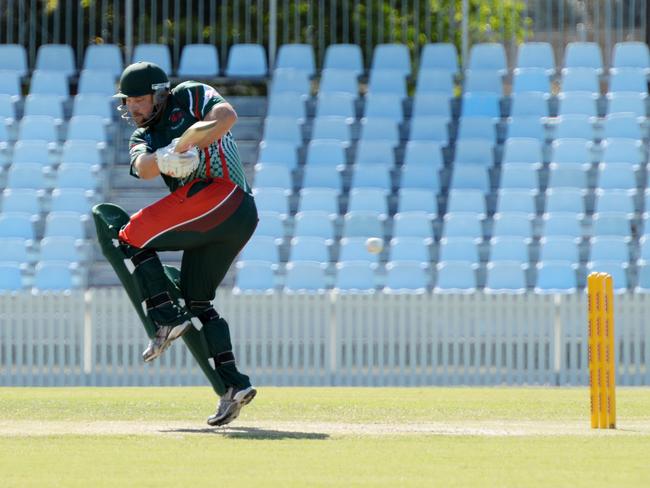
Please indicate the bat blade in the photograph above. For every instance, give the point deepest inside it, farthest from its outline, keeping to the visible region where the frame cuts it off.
(195, 134)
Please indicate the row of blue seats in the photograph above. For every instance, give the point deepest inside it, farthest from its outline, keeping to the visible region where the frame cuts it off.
(57, 248)
(46, 276)
(76, 198)
(47, 128)
(73, 151)
(57, 224)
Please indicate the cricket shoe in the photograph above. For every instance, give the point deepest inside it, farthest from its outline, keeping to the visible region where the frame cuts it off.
(231, 404)
(165, 335)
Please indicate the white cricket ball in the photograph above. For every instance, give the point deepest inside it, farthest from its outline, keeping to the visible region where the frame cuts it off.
(374, 245)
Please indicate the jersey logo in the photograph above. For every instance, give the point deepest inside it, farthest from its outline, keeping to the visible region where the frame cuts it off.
(176, 118)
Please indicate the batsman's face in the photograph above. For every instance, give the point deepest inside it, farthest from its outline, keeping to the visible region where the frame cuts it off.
(140, 108)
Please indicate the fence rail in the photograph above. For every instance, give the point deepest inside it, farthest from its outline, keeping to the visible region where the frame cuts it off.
(318, 22)
(95, 338)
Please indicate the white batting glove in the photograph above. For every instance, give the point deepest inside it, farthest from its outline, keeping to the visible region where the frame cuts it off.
(177, 165)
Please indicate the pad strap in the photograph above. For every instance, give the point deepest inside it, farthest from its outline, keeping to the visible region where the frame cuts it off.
(158, 300)
(139, 258)
(207, 315)
(222, 358)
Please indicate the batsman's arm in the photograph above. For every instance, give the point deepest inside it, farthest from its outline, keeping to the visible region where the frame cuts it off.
(225, 115)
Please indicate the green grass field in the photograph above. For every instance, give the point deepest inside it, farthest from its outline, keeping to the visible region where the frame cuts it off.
(463, 437)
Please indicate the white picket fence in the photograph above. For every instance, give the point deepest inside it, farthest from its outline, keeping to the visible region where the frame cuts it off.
(95, 338)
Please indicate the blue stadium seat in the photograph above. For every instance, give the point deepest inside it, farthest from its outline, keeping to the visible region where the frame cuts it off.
(516, 200)
(272, 175)
(10, 85)
(583, 55)
(24, 200)
(567, 176)
(456, 277)
(77, 176)
(287, 104)
(376, 129)
(616, 269)
(284, 129)
(261, 248)
(392, 57)
(16, 224)
(383, 105)
(368, 199)
(321, 177)
(388, 82)
(628, 80)
(65, 249)
(624, 102)
(347, 57)
(314, 223)
(31, 152)
(559, 248)
(332, 127)
(439, 56)
(406, 277)
(355, 276)
(476, 104)
(506, 277)
(519, 176)
(66, 224)
(71, 200)
(56, 57)
(575, 126)
(336, 104)
(290, 80)
(272, 199)
(255, 276)
(305, 276)
(38, 128)
(531, 80)
(11, 278)
(323, 199)
(477, 128)
(509, 248)
(15, 250)
(278, 152)
(474, 151)
(417, 199)
(556, 277)
(459, 249)
(460, 200)
(462, 224)
(423, 152)
(529, 104)
(92, 104)
(96, 83)
(512, 224)
(435, 81)
(431, 105)
(326, 153)
(582, 103)
(155, 53)
(643, 282)
(13, 57)
(246, 61)
(470, 178)
(28, 175)
(580, 80)
(309, 248)
(644, 248)
(372, 176)
(571, 151)
(631, 54)
(610, 224)
(270, 224)
(412, 224)
(525, 150)
(49, 105)
(354, 249)
(617, 176)
(87, 127)
(419, 176)
(489, 56)
(527, 127)
(429, 129)
(104, 57)
(565, 200)
(625, 125)
(375, 152)
(363, 224)
(299, 57)
(337, 80)
(620, 150)
(615, 201)
(536, 55)
(483, 81)
(566, 224)
(610, 248)
(410, 249)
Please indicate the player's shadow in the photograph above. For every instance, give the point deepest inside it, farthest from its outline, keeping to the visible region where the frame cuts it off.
(252, 433)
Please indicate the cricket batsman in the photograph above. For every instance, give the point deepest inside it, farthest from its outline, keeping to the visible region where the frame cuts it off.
(210, 214)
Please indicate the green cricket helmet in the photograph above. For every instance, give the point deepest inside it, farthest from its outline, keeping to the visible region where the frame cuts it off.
(143, 78)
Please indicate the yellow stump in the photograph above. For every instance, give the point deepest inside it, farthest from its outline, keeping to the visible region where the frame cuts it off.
(601, 348)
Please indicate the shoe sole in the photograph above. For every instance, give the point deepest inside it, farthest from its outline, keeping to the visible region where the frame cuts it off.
(234, 411)
(175, 333)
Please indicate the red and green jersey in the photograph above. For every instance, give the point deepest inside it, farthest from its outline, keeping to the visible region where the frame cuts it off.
(188, 102)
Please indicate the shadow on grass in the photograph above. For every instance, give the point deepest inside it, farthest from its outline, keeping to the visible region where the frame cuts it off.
(252, 433)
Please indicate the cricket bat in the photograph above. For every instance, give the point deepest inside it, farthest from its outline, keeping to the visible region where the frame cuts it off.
(196, 135)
